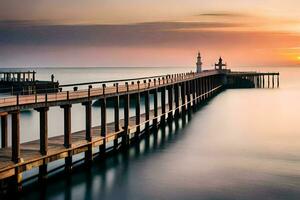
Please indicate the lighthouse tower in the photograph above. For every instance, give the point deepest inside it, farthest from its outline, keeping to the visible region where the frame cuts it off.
(198, 63)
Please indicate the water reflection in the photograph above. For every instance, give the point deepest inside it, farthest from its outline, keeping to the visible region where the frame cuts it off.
(106, 175)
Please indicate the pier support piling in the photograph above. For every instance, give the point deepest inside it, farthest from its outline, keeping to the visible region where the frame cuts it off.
(188, 93)
(176, 96)
(183, 95)
(138, 115)
(15, 128)
(43, 129)
(88, 132)
(67, 125)
(116, 119)
(163, 104)
(67, 136)
(170, 103)
(125, 137)
(103, 125)
(4, 133)
(155, 120)
(147, 110)
(194, 93)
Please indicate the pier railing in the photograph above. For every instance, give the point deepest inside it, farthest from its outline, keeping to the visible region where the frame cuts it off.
(117, 87)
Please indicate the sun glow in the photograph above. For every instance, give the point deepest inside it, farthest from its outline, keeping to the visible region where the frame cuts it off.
(298, 57)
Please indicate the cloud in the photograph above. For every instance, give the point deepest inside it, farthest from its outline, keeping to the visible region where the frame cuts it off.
(154, 33)
(223, 14)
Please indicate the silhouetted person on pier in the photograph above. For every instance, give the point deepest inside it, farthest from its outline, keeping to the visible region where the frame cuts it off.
(52, 77)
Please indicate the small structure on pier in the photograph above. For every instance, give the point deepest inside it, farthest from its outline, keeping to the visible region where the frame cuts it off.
(220, 64)
(198, 63)
(24, 82)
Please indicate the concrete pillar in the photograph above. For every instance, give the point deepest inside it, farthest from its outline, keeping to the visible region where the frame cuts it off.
(88, 131)
(268, 81)
(155, 108)
(278, 80)
(263, 81)
(4, 135)
(170, 102)
(15, 128)
(273, 81)
(176, 95)
(103, 124)
(147, 109)
(138, 114)
(163, 104)
(125, 139)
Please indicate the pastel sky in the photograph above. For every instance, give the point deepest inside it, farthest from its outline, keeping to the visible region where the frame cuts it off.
(44, 33)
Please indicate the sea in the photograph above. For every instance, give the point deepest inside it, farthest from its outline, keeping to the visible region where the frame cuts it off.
(242, 144)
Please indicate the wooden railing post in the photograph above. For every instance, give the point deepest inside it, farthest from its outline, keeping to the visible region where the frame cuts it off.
(127, 86)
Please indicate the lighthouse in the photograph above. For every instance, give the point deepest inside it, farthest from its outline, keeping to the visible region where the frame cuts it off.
(198, 63)
(220, 64)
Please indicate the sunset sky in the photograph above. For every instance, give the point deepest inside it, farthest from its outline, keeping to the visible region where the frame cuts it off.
(105, 33)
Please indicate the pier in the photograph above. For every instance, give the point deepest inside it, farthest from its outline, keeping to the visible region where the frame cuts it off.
(25, 82)
(177, 94)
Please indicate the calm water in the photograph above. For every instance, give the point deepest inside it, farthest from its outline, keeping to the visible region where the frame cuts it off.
(244, 144)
